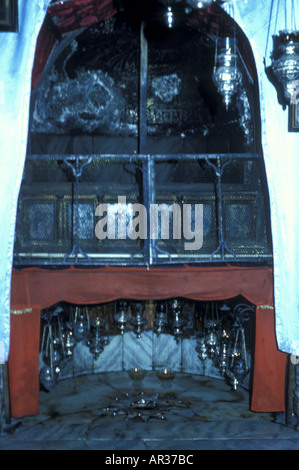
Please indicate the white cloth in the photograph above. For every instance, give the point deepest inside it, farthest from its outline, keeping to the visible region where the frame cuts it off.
(16, 60)
(281, 155)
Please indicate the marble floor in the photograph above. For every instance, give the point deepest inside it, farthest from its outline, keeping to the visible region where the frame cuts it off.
(111, 412)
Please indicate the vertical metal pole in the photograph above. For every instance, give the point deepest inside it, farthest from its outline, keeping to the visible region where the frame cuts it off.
(77, 172)
(6, 396)
(222, 246)
(220, 208)
(153, 349)
(295, 400)
(143, 65)
(148, 173)
(290, 391)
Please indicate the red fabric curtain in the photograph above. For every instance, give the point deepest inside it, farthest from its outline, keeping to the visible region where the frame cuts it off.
(79, 13)
(23, 360)
(269, 365)
(43, 287)
(87, 286)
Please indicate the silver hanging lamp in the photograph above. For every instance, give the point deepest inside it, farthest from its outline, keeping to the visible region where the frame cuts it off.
(168, 15)
(200, 4)
(285, 52)
(226, 74)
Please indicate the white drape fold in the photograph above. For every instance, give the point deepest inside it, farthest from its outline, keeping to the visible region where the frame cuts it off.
(16, 60)
(281, 156)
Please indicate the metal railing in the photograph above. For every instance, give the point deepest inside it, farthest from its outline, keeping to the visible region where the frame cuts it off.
(60, 193)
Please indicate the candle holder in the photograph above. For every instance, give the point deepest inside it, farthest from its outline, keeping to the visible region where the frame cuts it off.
(137, 375)
(165, 375)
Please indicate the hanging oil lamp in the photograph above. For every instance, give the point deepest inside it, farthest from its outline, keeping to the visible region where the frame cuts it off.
(138, 321)
(47, 377)
(212, 344)
(200, 4)
(81, 324)
(121, 316)
(160, 318)
(239, 368)
(50, 370)
(201, 349)
(70, 343)
(177, 323)
(168, 15)
(285, 52)
(223, 357)
(211, 317)
(226, 75)
(285, 61)
(95, 342)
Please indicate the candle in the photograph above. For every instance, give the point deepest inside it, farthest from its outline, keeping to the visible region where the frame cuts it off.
(165, 371)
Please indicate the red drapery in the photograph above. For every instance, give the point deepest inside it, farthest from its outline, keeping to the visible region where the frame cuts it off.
(23, 360)
(39, 288)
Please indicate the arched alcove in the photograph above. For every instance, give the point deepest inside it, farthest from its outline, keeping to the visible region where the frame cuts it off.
(95, 135)
(136, 102)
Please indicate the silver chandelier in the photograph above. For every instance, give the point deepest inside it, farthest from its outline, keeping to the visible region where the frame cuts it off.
(285, 52)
